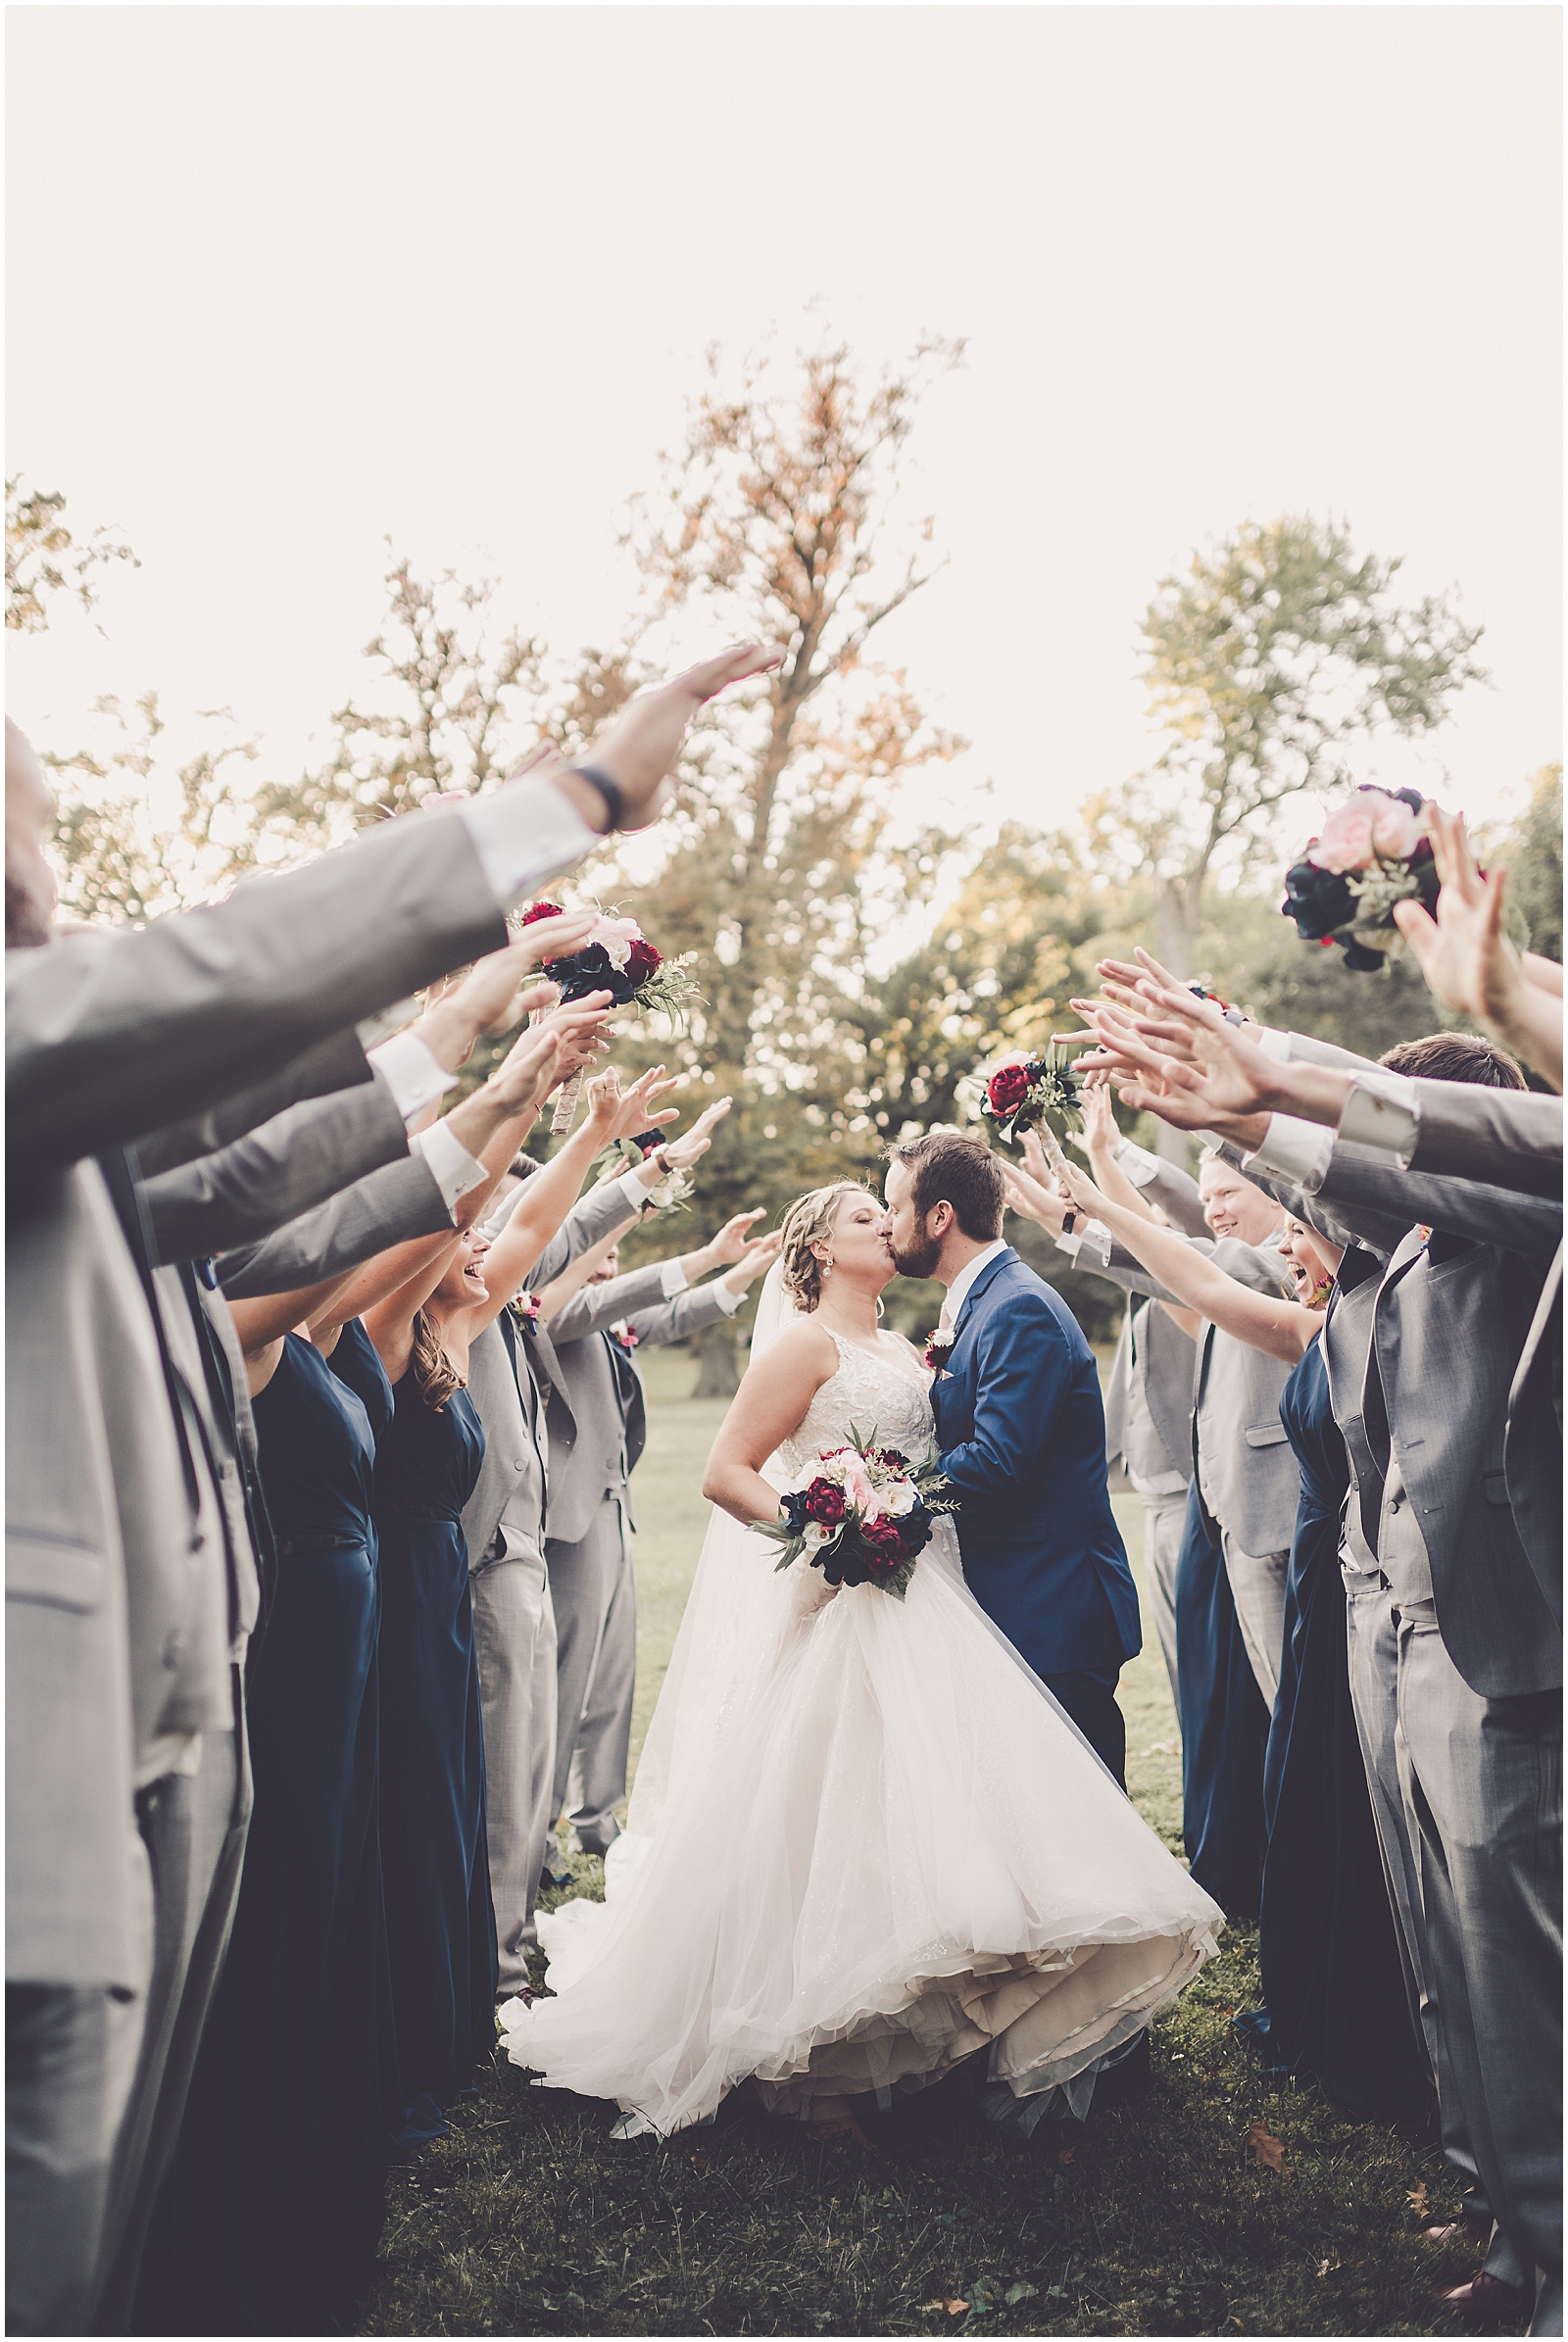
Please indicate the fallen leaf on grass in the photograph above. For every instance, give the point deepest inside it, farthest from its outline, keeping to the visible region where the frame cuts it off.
(1418, 2199)
(1324, 2267)
(699, 2160)
(1269, 2150)
(1022, 2291)
(1066, 2155)
(949, 2302)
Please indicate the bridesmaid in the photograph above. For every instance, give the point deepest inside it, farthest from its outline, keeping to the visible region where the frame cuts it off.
(282, 2134)
(1335, 2006)
(440, 1924)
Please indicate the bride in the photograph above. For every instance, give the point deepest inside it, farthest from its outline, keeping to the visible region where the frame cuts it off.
(864, 1841)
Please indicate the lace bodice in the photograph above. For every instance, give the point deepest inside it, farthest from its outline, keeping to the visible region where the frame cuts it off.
(875, 1393)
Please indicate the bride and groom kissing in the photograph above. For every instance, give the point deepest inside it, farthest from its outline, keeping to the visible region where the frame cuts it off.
(870, 1839)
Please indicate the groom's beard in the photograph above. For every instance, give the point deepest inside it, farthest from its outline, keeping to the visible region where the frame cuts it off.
(918, 1259)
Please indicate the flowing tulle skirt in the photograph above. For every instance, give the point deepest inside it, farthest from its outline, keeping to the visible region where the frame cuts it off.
(865, 1842)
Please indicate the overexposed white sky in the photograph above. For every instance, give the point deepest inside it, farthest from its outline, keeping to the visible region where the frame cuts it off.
(287, 280)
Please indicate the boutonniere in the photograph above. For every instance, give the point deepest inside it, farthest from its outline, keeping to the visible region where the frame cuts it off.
(526, 1309)
(937, 1343)
(626, 1336)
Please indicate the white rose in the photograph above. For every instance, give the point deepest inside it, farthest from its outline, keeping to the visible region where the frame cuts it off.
(815, 1534)
(900, 1498)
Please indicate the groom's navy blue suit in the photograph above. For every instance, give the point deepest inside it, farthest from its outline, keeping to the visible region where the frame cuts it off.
(1022, 1433)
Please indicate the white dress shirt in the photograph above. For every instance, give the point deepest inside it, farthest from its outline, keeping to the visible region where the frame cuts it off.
(524, 834)
(958, 1290)
(411, 1072)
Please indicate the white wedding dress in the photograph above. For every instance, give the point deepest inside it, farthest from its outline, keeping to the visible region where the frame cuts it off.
(863, 1842)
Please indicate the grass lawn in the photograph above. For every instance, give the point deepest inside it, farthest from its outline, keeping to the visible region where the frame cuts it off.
(1154, 2218)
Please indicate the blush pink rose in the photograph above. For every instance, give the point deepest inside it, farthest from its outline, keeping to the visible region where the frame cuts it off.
(1370, 824)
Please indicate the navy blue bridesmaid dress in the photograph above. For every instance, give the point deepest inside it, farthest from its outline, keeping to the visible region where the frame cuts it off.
(269, 2219)
(1335, 2003)
(441, 1931)
(1224, 1723)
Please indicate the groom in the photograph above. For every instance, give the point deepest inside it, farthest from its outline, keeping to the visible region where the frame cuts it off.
(1022, 1433)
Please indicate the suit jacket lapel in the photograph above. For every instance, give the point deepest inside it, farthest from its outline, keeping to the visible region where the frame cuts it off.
(992, 1269)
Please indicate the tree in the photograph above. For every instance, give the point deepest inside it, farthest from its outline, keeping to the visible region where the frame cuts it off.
(120, 862)
(1530, 849)
(782, 512)
(1269, 663)
(43, 558)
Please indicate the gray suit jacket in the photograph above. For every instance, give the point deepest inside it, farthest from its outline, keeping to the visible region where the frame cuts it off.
(517, 1378)
(283, 1167)
(1505, 1138)
(108, 1602)
(605, 1388)
(1246, 1465)
(337, 1064)
(389, 1206)
(115, 1034)
(1156, 1359)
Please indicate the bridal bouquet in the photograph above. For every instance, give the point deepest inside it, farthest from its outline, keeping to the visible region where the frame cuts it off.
(1022, 1088)
(617, 958)
(860, 1515)
(1371, 855)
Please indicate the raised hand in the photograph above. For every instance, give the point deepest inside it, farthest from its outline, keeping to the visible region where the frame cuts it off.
(681, 1153)
(1032, 1197)
(1464, 954)
(730, 1242)
(643, 742)
(1101, 1133)
(755, 1256)
(637, 1111)
(526, 1071)
(580, 1028)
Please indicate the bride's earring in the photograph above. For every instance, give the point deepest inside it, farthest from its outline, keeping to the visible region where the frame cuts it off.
(826, 1267)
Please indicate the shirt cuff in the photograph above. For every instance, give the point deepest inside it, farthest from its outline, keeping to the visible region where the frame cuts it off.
(674, 1279)
(1295, 1151)
(728, 1300)
(450, 1165)
(1093, 1233)
(637, 1192)
(1274, 1044)
(524, 833)
(411, 1072)
(1383, 1110)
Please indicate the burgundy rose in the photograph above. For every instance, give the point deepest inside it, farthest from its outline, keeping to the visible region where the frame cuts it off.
(883, 1539)
(891, 1458)
(824, 1502)
(541, 910)
(1007, 1088)
(642, 960)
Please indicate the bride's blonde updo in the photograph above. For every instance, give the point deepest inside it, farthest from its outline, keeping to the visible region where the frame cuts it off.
(806, 1223)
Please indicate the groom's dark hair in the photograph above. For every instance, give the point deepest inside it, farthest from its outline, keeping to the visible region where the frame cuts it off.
(948, 1167)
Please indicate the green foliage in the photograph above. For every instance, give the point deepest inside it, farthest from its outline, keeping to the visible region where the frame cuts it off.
(1270, 661)
(1530, 847)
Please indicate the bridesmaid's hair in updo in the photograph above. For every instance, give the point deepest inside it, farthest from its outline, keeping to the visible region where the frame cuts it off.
(806, 1223)
(434, 1375)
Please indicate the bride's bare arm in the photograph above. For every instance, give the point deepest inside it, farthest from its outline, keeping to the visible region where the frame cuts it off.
(773, 1396)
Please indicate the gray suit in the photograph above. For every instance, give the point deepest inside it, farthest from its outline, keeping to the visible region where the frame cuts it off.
(286, 1165)
(118, 1516)
(1245, 1467)
(1477, 1664)
(521, 1393)
(1149, 1430)
(336, 1064)
(592, 1583)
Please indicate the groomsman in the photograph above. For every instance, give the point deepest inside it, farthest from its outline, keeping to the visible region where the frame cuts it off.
(1246, 1468)
(595, 1332)
(517, 1384)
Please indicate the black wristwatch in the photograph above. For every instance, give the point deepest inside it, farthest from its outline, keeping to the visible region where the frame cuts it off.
(610, 789)
(1069, 1221)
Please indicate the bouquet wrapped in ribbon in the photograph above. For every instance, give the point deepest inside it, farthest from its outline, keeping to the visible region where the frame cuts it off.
(860, 1515)
(1371, 855)
(617, 958)
(1022, 1090)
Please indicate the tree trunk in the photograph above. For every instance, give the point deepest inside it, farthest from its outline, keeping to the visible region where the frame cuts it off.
(717, 1373)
